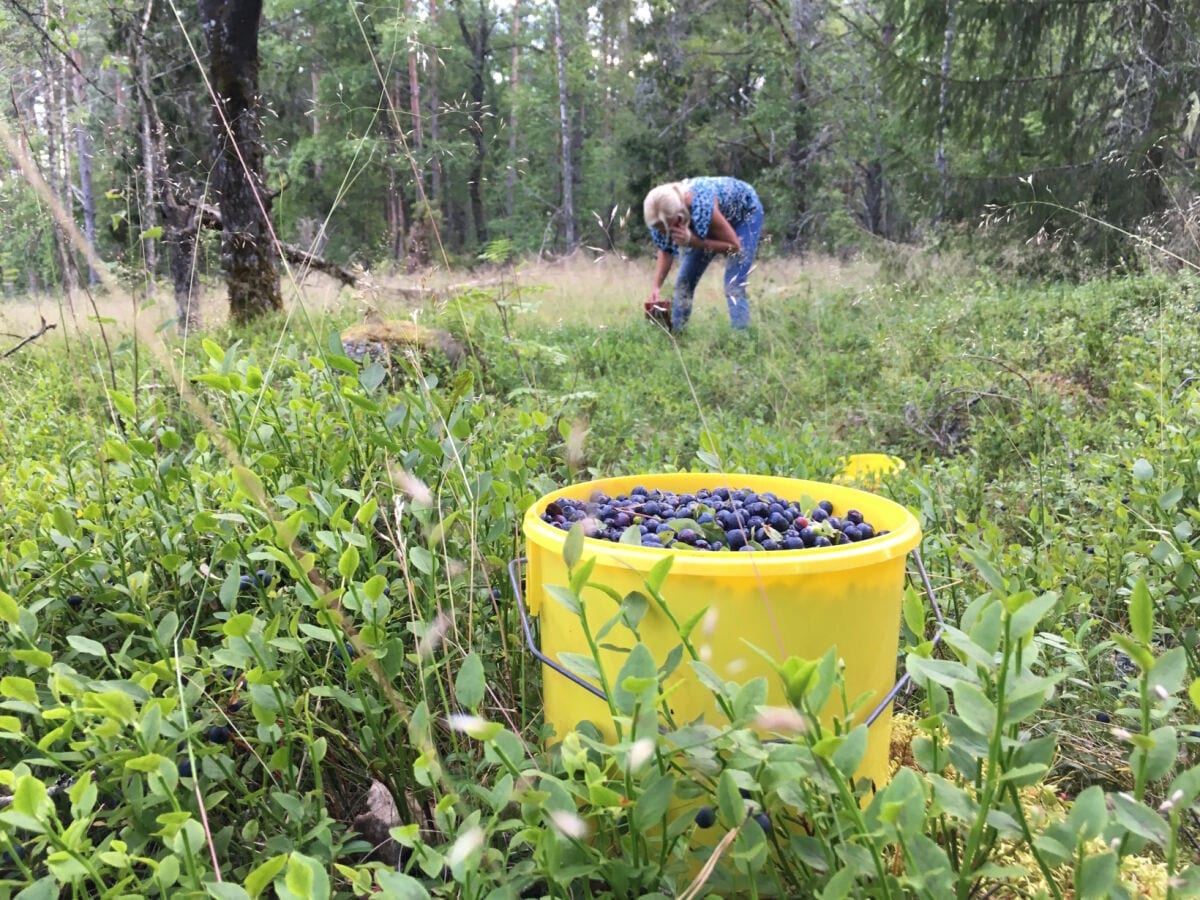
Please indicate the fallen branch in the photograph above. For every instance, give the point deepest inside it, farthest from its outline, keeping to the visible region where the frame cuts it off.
(46, 326)
(210, 218)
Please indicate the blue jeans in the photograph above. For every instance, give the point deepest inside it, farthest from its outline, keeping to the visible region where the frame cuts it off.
(737, 271)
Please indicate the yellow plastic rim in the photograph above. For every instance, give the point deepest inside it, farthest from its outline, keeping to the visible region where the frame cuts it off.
(904, 532)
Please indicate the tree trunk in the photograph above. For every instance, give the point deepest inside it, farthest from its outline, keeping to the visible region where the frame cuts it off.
(435, 163)
(318, 165)
(179, 236)
(58, 161)
(479, 45)
(568, 171)
(939, 158)
(414, 102)
(248, 254)
(510, 206)
(803, 24)
(83, 149)
(149, 183)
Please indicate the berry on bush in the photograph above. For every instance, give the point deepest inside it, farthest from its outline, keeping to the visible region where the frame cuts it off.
(720, 519)
(706, 817)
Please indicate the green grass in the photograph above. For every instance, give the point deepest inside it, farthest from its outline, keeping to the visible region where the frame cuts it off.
(1050, 435)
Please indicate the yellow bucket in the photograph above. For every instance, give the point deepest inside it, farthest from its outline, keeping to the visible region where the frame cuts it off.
(787, 602)
(867, 470)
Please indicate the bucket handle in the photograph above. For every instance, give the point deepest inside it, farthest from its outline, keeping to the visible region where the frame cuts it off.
(515, 578)
(900, 685)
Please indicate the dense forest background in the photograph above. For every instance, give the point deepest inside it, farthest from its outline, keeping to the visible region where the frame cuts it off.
(446, 131)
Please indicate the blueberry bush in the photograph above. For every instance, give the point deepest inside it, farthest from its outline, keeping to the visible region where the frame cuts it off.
(258, 637)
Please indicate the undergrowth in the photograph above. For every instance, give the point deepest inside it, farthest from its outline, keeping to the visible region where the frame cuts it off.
(218, 637)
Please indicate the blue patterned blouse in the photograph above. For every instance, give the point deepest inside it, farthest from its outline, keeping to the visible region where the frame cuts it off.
(736, 198)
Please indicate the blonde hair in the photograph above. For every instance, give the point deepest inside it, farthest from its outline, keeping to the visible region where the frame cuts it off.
(664, 203)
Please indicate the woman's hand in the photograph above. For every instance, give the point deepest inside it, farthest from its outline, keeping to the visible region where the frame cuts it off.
(683, 236)
(654, 296)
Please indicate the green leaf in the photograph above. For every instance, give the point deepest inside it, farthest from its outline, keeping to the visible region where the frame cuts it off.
(123, 403)
(658, 573)
(914, 612)
(305, 877)
(400, 886)
(1159, 756)
(225, 890)
(348, 562)
(974, 708)
(636, 680)
(1142, 470)
(1141, 612)
(86, 645)
(248, 483)
(1139, 819)
(28, 796)
(729, 800)
(1026, 618)
(565, 598)
(1096, 875)
(1169, 670)
(1088, 813)
(146, 763)
(653, 803)
(469, 684)
(153, 233)
(848, 756)
(581, 665)
(19, 688)
(946, 672)
(214, 349)
(1194, 693)
(9, 611)
(985, 568)
(631, 536)
(573, 545)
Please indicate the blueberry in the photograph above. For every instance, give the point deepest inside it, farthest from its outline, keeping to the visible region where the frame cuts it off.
(855, 516)
(236, 704)
(687, 536)
(264, 577)
(826, 505)
(75, 601)
(793, 543)
(1103, 717)
(866, 530)
(834, 522)
(851, 531)
(764, 822)
(821, 541)
(704, 518)
(247, 582)
(706, 817)
(736, 539)
(808, 537)
(185, 768)
(779, 521)
(819, 515)
(771, 545)
(219, 734)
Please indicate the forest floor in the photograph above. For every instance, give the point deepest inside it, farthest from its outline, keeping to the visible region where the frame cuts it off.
(603, 291)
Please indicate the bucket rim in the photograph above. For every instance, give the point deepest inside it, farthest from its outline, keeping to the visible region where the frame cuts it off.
(896, 543)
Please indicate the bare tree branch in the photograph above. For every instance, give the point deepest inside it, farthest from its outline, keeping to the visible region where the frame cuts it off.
(46, 326)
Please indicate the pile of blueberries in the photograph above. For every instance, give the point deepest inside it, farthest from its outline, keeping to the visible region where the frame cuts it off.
(717, 519)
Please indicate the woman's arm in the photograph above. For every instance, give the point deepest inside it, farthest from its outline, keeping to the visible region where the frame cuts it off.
(661, 269)
(721, 236)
